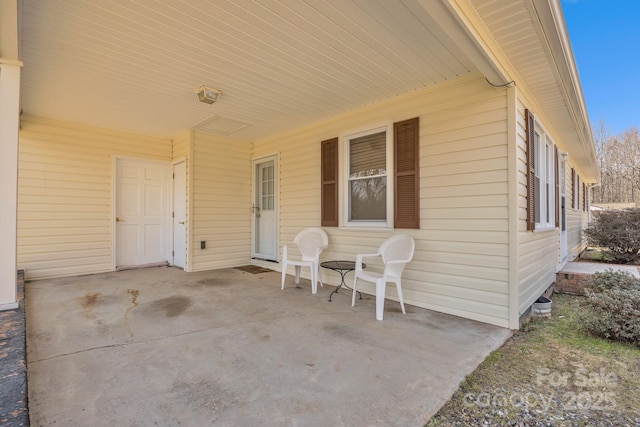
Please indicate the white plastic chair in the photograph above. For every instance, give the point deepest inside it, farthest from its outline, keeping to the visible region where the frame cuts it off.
(310, 242)
(396, 252)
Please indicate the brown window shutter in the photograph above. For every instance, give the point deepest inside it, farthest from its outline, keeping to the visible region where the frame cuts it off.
(329, 191)
(573, 188)
(557, 177)
(584, 197)
(406, 143)
(531, 171)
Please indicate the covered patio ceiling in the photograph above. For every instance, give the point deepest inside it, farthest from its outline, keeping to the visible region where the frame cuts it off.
(281, 65)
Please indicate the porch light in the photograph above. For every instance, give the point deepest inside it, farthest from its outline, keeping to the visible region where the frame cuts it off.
(208, 95)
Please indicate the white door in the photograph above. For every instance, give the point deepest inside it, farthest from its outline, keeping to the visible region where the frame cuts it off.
(563, 210)
(179, 213)
(141, 213)
(265, 210)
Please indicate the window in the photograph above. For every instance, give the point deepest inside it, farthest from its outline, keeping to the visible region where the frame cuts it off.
(372, 177)
(367, 155)
(541, 201)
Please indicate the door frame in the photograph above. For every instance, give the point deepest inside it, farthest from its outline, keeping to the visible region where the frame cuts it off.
(276, 186)
(114, 198)
(172, 209)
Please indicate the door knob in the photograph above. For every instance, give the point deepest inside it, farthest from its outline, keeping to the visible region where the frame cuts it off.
(181, 222)
(119, 219)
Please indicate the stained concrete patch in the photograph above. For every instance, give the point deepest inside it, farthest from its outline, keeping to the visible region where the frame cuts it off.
(89, 300)
(213, 282)
(167, 307)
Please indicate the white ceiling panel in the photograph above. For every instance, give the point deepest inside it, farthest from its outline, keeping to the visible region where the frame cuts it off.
(134, 65)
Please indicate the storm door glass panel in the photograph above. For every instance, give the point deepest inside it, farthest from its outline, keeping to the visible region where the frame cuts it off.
(368, 178)
(267, 196)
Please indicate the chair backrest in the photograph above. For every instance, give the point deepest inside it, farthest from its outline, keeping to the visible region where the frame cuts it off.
(309, 240)
(398, 247)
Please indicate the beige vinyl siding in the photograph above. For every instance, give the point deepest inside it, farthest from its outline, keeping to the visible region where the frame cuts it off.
(461, 261)
(180, 148)
(220, 203)
(64, 194)
(538, 251)
(577, 219)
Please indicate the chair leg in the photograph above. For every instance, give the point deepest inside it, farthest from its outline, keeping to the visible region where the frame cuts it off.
(284, 273)
(314, 281)
(353, 293)
(380, 289)
(319, 276)
(297, 267)
(399, 288)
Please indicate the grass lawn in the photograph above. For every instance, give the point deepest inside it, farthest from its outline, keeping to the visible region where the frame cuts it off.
(551, 373)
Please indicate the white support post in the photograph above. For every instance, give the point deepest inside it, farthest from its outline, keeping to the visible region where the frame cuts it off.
(9, 125)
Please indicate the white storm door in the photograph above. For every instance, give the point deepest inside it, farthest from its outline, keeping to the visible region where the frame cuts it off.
(265, 210)
(179, 214)
(141, 213)
(563, 210)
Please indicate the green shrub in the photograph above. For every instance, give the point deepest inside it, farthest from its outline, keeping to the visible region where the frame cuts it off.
(618, 232)
(613, 307)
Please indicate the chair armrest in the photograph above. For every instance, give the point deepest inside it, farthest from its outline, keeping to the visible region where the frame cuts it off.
(359, 258)
(399, 261)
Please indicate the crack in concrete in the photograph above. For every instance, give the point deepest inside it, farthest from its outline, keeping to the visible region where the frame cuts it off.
(124, 344)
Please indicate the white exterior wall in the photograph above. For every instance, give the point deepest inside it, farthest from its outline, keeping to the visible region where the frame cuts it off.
(64, 195)
(539, 251)
(9, 122)
(9, 113)
(219, 204)
(461, 261)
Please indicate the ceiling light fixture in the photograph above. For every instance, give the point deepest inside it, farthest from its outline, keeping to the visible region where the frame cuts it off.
(208, 95)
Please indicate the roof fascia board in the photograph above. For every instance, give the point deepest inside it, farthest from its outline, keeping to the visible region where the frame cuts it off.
(454, 31)
(549, 22)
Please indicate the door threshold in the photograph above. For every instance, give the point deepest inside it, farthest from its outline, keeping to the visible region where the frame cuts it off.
(135, 267)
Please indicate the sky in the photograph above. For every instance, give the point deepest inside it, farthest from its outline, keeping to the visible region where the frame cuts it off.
(605, 38)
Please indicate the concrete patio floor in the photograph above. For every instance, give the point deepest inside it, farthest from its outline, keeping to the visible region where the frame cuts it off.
(159, 346)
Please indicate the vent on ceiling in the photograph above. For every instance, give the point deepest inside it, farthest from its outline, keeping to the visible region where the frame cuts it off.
(220, 125)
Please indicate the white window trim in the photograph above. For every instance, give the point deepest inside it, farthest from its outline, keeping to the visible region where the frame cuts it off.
(343, 165)
(546, 188)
